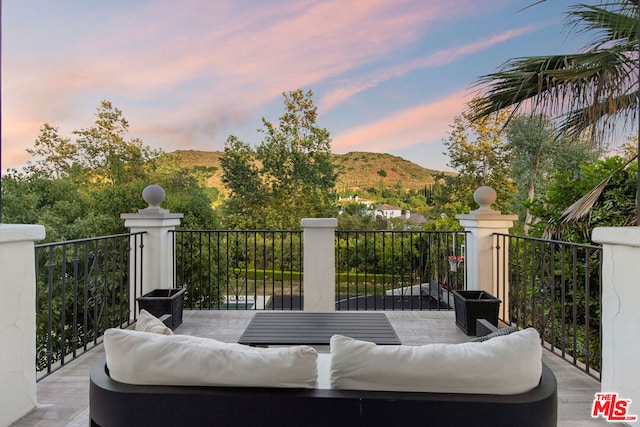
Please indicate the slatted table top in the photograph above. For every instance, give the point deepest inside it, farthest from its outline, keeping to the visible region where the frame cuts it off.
(299, 327)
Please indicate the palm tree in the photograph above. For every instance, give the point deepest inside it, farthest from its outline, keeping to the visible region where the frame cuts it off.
(592, 90)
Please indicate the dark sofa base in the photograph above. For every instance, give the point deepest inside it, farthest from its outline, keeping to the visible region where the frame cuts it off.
(116, 404)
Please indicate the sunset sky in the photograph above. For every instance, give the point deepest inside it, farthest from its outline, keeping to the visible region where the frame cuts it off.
(387, 76)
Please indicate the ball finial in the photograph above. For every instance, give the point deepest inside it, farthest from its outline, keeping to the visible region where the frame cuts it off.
(154, 195)
(485, 196)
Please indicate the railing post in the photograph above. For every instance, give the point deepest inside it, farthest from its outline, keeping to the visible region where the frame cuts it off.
(319, 283)
(620, 314)
(17, 320)
(157, 267)
(482, 263)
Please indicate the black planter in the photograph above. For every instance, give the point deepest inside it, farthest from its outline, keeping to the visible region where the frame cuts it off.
(473, 305)
(164, 301)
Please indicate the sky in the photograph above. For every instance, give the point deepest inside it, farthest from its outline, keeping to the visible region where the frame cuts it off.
(388, 76)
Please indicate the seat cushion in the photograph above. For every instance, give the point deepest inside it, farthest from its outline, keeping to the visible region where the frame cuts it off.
(135, 357)
(509, 364)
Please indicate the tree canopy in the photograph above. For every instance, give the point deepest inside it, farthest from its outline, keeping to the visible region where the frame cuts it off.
(288, 176)
(479, 154)
(78, 187)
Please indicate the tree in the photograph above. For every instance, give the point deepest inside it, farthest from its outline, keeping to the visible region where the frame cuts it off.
(613, 207)
(103, 148)
(288, 176)
(592, 89)
(245, 206)
(64, 188)
(538, 155)
(480, 156)
(55, 155)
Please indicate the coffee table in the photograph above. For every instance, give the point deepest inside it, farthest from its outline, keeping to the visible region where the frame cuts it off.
(299, 327)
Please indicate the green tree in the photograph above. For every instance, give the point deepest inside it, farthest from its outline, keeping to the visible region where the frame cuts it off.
(64, 188)
(592, 89)
(245, 206)
(103, 147)
(54, 154)
(613, 207)
(537, 155)
(290, 175)
(480, 155)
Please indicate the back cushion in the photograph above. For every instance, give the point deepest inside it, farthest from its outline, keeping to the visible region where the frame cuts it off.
(147, 322)
(508, 364)
(135, 357)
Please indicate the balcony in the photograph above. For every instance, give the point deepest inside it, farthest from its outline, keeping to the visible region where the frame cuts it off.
(531, 277)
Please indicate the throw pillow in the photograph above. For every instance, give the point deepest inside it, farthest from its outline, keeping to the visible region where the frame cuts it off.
(509, 364)
(143, 358)
(147, 322)
(500, 332)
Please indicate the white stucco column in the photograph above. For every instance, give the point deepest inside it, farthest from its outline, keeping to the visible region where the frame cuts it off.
(155, 265)
(17, 320)
(481, 260)
(620, 312)
(319, 283)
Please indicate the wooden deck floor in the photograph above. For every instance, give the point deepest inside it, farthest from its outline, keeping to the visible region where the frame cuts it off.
(63, 397)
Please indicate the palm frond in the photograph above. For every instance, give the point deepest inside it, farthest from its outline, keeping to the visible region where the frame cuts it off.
(614, 23)
(581, 207)
(586, 89)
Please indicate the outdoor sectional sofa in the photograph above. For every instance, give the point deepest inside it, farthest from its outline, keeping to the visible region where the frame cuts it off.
(302, 399)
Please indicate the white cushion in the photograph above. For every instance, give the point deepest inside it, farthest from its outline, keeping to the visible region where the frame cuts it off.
(147, 322)
(508, 364)
(143, 358)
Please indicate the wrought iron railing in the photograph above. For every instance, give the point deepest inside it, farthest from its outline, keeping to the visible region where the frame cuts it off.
(375, 270)
(555, 287)
(399, 270)
(82, 289)
(239, 269)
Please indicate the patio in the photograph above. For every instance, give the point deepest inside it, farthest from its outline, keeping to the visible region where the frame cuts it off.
(63, 396)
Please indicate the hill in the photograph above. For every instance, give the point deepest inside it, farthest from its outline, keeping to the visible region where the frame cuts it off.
(357, 170)
(361, 170)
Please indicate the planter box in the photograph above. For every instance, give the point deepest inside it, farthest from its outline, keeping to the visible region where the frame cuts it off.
(164, 301)
(473, 305)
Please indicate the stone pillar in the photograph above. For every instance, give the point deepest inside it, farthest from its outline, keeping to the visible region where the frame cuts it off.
(620, 313)
(481, 260)
(155, 264)
(319, 283)
(17, 320)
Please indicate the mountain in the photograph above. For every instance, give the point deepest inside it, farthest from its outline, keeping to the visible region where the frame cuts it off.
(357, 170)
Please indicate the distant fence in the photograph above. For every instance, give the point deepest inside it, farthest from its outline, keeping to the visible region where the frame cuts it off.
(82, 289)
(556, 287)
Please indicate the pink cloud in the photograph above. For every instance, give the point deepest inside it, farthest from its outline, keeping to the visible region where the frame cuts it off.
(180, 72)
(424, 123)
(439, 58)
(260, 52)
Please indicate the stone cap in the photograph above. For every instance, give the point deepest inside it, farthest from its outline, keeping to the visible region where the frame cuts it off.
(21, 233)
(319, 222)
